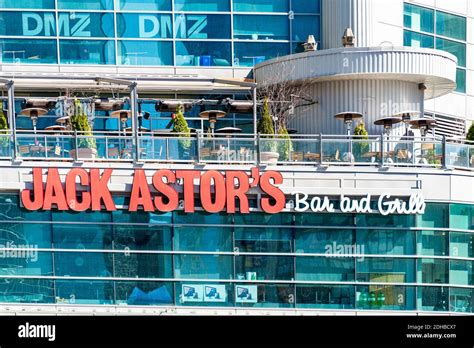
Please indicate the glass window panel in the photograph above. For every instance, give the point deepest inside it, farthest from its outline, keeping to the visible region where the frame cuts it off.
(95, 24)
(25, 262)
(144, 293)
(201, 53)
(386, 297)
(462, 244)
(130, 265)
(412, 39)
(433, 298)
(461, 80)
(433, 243)
(142, 237)
(319, 241)
(324, 269)
(385, 270)
(389, 242)
(263, 219)
(87, 52)
(202, 26)
(16, 23)
(264, 295)
(26, 290)
(85, 216)
(461, 216)
(251, 53)
(25, 234)
(304, 26)
(264, 267)
(456, 48)
(436, 215)
(144, 25)
(461, 272)
(204, 294)
(305, 6)
(201, 218)
(156, 53)
(86, 4)
(203, 238)
(145, 5)
(450, 25)
(72, 236)
(84, 292)
(37, 4)
(82, 264)
(261, 5)
(203, 266)
(377, 220)
(433, 271)
(419, 18)
(28, 51)
(325, 296)
(263, 240)
(461, 300)
(252, 27)
(202, 5)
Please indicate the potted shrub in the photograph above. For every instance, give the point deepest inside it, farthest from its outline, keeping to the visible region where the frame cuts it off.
(4, 138)
(180, 125)
(86, 147)
(470, 137)
(360, 147)
(285, 145)
(268, 148)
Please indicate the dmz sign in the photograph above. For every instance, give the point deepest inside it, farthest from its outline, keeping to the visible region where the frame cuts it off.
(80, 24)
(170, 190)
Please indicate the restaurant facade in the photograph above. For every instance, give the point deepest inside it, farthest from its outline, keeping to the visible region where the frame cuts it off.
(120, 215)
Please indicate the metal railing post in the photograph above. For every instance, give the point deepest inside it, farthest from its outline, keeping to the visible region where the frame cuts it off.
(134, 110)
(198, 146)
(382, 145)
(258, 149)
(444, 152)
(320, 148)
(167, 148)
(12, 115)
(75, 146)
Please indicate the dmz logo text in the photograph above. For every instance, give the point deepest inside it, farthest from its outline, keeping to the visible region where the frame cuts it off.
(77, 24)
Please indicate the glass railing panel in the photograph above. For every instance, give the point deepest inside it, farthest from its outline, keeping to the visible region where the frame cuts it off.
(336, 151)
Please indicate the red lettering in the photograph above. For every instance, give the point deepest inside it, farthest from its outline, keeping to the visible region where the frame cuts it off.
(188, 177)
(165, 189)
(100, 191)
(140, 193)
(273, 192)
(37, 191)
(239, 192)
(71, 193)
(219, 191)
(54, 193)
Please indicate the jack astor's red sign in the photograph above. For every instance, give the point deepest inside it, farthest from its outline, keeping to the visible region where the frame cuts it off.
(217, 191)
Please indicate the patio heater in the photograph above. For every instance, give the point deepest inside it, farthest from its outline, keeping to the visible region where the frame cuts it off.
(387, 123)
(123, 116)
(34, 114)
(349, 117)
(424, 125)
(406, 117)
(212, 116)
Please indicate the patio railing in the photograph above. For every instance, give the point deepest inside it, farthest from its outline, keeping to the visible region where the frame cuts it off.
(337, 150)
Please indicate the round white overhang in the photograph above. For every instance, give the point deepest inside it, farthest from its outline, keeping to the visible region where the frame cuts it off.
(434, 68)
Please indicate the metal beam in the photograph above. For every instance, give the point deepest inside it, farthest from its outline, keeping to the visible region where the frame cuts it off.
(10, 84)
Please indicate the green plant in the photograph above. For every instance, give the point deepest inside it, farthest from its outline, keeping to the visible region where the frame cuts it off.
(285, 145)
(3, 126)
(470, 133)
(80, 123)
(265, 127)
(360, 147)
(180, 125)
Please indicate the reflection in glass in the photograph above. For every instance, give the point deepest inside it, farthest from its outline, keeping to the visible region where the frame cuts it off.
(202, 26)
(86, 4)
(16, 23)
(203, 267)
(265, 295)
(87, 52)
(260, 5)
(98, 24)
(433, 243)
(84, 292)
(324, 269)
(251, 53)
(16, 290)
(419, 18)
(252, 27)
(433, 298)
(386, 270)
(201, 5)
(145, 5)
(81, 264)
(28, 51)
(144, 293)
(145, 53)
(385, 297)
(202, 53)
(325, 296)
(144, 25)
(264, 267)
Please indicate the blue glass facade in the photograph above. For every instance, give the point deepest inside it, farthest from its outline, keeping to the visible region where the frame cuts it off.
(154, 32)
(420, 262)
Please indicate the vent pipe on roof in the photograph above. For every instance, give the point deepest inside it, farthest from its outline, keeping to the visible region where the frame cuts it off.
(348, 39)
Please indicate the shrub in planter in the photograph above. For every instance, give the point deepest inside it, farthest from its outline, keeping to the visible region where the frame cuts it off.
(470, 133)
(86, 147)
(360, 147)
(265, 127)
(285, 145)
(4, 139)
(180, 125)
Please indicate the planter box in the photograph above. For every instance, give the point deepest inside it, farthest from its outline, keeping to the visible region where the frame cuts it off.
(84, 152)
(269, 157)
